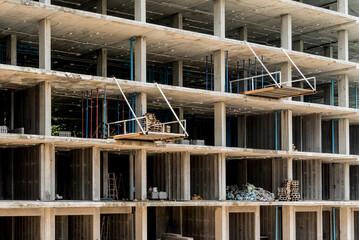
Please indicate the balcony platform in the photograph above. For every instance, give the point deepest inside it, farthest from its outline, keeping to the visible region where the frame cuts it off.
(279, 92)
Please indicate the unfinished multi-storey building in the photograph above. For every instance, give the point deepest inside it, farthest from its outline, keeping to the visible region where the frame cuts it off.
(115, 114)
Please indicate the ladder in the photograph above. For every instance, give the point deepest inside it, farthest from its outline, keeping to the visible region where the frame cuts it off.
(105, 228)
(112, 186)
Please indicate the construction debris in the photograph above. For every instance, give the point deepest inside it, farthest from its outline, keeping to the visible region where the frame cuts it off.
(289, 190)
(248, 192)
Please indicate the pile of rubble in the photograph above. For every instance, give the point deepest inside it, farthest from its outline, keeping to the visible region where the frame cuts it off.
(248, 192)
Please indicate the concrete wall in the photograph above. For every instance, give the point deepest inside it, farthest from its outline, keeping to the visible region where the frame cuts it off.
(117, 226)
(241, 226)
(333, 181)
(354, 180)
(306, 225)
(73, 227)
(198, 222)
(24, 228)
(327, 137)
(309, 174)
(267, 218)
(328, 224)
(354, 136)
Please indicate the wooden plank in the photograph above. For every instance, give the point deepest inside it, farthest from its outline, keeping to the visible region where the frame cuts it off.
(117, 137)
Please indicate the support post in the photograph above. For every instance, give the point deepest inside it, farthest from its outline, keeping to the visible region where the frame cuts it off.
(96, 174)
(343, 6)
(219, 18)
(177, 21)
(243, 33)
(346, 177)
(140, 10)
(343, 136)
(343, 45)
(221, 168)
(219, 70)
(141, 223)
(102, 6)
(96, 224)
(177, 73)
(346, 216)
(288, 222)
(290, 168)
(105, 174)
(287, 130)
(286, 31)
(220, 124)
(102, 62)
(328, 51)
(185, 176)
(47, 161)
(343, 91)
(141, 104)
(141, 174)
(286, 71)
(11, 50)
(242, 131)
(298, 46)
(45, 1)
(44, 108)
(45, 44)
(140, 59)
(48, 224)
(131, 175)
(221, 223)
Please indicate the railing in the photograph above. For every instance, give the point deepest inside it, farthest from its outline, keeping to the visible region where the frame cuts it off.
(307, 80)
(253, 79)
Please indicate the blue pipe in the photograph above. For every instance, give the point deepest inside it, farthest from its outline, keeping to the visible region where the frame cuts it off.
(118, 114)
(333, 134)
(276, 221)
(249, 75)
(276, 75)
(206, 72)
(334, 237)
(211, 73)
(356, 96)
(244, 75)
(131, 56)
(262, 74)
(276, 129)
(237, 76)
(332, 93)
(87, 113)
(104, 114)
(255, 73)
(227, 74)
(129, 113)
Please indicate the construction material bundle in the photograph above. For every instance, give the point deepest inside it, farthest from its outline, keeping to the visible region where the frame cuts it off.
(248, 192)
(155, 125)
(289, 190)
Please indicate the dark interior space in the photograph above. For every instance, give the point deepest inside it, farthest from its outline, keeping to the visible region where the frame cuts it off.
(117, 226)
(163, 220)
(73, 170)
(199, 222)
(200, 128)
(354, 179)
(329, 137)
(73, 227)
(20, 173)
(328, 224)
(309, 174)
(268, 222)
(241, 226)
(333, 181)
(306, 225)
(20, 228)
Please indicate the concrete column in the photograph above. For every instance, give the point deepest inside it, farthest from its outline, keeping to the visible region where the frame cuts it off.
(102, 62)
(288, 222)
(298, 46)
(343, 45)
(220, 124)
(177, 21)
(221, 223)
(131, 176)
(320, 223)
(181, 117)
(105, 174)
(12, 109)
(328, 95)
(290, 168)
(257, 222)
(47, 161)
(343, 136)
(96, 174)
(286, 31)
(48, 224)
(96, 224)
(287, 130)
(140, 59)
(219, 61)
(346, 177)
(312, 133)
(343, 91)
(185, 176)
(243, 33)
(11, 50)
(44, 108)
(219, 18)
(140, 10)
(141, 104)
(141, 174)
(328, 51)
(343, 6)
(45, 44)
(221, 176)
(141, 223)
(45, 1)
(102, 6)
(177, 73)
(346, 216)
(286, 71)
(242, 131)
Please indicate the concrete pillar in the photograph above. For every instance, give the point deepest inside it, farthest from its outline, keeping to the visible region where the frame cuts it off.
(45, 44)
(290, 168)
(181, 117)
(102, 62)
(105, 174)
(219, 61)
(140, 59)
(328, 51)
(219, 18)
(243, 33)
(177, 21)
(48, 224)
(346, 177)
(140, 10)
(288, 222)
(343, 45)
(47, 167)
(102, 6)
(220, 124)
(45, 108)
(96, 174)
(320, 223)
(343, 91)
(343, 136)
(242, 131)
(221, 176)
(141, 104)
(257, 223)
(286, 31)
(96, 224)
(287, 130)
(12, 109)
(177, 73)
(328, 95)
(343, 6)
(131, 176)
(141, 223)
(11, 50)
(298, 45)
(346, 216)
(45, 1)
(221, 223)
(141, 174)
(286, 71)
(312, 133)
(185, 176)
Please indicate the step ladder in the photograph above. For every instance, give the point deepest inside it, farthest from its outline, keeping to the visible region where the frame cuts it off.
(112, 186)
(105, 228)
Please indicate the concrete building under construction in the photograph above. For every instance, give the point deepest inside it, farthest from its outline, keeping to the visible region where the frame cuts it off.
(179, 120)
